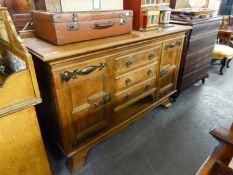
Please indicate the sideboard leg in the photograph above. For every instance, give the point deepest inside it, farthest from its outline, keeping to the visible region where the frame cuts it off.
(174, 97)
(166, 103)
(77, 161)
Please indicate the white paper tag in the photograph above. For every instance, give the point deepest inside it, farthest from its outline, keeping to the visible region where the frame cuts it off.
(96, 5)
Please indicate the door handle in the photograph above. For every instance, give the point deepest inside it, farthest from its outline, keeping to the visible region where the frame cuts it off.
(67, 75)
(103, 101)
(163, 73)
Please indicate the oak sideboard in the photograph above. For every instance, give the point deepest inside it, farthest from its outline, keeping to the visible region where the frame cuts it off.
(94, 89)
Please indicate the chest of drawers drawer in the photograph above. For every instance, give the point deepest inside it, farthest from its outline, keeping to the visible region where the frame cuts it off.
(134, 60)
(130, 79)
(132, 93)
(205, 29)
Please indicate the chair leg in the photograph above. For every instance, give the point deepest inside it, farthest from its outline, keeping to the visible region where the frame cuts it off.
(223, 62)
(203, 81)
(228, 62)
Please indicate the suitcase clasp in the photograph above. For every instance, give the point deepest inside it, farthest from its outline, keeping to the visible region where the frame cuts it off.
(123, 21)
(71, 26)
(75, 17)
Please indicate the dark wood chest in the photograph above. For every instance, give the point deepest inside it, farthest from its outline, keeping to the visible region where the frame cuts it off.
(198, 48)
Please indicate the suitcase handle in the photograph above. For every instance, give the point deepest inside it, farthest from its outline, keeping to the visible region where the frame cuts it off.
(103, 26)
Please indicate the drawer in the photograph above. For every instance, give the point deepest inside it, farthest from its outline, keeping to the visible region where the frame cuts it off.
(201, 43)
(128, 62)
(190, 79)
(204, 29)
(136, 76)
(197, 59)
(83, 71)
(173, 44)
(132, 93)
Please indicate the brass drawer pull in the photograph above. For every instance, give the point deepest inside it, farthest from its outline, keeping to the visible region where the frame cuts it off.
(151, 56)
(128, 81)
(2, 70)
(127, 97)
(67, 75)
(173, 45)
(148, 87)
(129, 63)
(103, 101)
(149, 72)
(163, 73)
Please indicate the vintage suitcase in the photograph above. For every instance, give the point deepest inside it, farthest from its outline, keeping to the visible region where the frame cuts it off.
(64, 28)
(83, 5)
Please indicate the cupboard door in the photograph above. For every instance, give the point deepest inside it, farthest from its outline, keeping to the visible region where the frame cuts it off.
(84, 101)
(170, 61)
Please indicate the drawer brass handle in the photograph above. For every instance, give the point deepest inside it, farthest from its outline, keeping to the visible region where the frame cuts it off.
(2, 70)
(149, 72)
(173, 45)
(148, 87)
(127, 97)
(103, 101)
(67, 75)
(129, 63)
(151, 56)
(163, 73)
(128, 81)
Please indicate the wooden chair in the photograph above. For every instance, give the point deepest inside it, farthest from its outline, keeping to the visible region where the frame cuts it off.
(218, 162)
(224, 38)
(224, 54)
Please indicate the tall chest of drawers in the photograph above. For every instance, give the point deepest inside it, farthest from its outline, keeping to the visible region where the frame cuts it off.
(197, 53)
(92, 90)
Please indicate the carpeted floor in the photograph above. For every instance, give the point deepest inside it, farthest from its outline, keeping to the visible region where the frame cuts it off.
(166, 142)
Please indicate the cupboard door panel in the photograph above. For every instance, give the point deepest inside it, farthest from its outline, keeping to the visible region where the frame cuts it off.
(84, 104)
(90, 101)
(170, 61)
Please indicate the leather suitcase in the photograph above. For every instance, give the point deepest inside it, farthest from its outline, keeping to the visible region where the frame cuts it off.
(65, 28)
(83, 5)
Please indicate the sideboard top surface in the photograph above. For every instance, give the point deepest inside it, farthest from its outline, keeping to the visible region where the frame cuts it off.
(48, 52)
